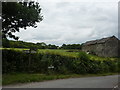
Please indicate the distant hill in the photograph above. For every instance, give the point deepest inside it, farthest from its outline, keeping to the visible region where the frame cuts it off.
(21, 44)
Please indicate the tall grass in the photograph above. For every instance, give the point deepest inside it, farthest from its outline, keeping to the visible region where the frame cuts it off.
(26, 77)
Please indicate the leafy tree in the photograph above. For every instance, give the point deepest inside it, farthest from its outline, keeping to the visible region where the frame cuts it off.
(52, 46)
(63, 46)
(71, 46)
(5, 43)
(16, 15)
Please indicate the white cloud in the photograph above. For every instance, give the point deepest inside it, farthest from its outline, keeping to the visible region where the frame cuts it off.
(73, 22)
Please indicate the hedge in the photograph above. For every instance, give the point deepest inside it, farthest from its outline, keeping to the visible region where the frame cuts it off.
(18, 61)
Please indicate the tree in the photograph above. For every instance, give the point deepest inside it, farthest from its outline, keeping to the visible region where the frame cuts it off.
(52, 46)
(5, 43)
(16, 15)
(71, 46)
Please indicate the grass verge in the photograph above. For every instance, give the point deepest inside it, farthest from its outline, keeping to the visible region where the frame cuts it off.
(26, 78)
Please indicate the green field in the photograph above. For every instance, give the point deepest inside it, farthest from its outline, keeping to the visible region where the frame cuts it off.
(62, 52)
(72, 54)
(19, 49)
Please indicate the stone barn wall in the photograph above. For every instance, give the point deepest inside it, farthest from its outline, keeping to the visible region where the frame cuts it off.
(111, 48)
(105, 48)
(96, 49)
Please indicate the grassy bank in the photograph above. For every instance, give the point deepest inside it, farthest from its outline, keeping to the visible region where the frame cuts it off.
(26, 78)
(73, 54)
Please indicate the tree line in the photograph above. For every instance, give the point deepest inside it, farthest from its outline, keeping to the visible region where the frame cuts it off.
(71, 46)
(21, 44)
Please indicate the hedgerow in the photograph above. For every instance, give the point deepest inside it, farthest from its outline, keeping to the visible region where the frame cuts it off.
(19, 61)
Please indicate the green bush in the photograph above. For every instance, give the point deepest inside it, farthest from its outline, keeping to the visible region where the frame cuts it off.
(18, 61)
(83, 56)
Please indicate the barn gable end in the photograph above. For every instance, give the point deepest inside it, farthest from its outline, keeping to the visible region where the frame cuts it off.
(105, 47)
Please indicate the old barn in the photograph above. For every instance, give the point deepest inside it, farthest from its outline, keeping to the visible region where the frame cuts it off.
(105, 47)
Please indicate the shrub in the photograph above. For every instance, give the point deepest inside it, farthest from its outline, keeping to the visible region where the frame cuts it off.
(83, 56)
(18, 61)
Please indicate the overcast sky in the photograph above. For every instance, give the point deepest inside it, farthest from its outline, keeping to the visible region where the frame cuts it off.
(73, 21)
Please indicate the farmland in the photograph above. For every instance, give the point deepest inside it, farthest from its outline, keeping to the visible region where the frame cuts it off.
(72, 53)
(63, 52)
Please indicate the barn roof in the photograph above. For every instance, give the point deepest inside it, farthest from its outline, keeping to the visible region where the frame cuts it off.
(103, 40)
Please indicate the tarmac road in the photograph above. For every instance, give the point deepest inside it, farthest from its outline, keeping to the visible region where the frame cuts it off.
(86, 82)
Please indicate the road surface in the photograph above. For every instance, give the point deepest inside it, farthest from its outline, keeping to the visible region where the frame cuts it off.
(86, 82)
